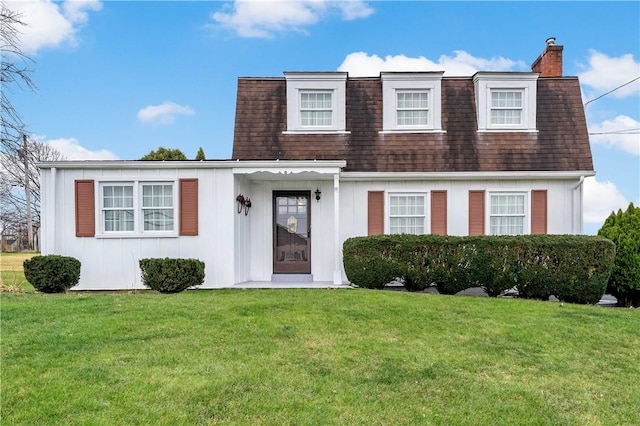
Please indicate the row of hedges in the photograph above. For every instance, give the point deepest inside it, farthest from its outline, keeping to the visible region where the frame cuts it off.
(574, 268)
(57, 274)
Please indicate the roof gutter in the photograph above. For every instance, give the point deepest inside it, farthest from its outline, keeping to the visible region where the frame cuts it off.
(549, 175)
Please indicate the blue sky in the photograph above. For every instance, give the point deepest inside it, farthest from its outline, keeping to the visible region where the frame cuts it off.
(117, 79)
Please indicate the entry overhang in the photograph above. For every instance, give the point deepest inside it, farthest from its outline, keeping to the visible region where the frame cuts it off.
(285, 170)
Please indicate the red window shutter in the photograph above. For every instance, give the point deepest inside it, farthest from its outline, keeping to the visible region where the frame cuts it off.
(85, 208)
(539, 211)
(476, 212)
(375, 213)
(439, 212)
(188, 206)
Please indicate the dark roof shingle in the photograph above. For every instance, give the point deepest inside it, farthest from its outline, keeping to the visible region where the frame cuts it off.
(561, 143)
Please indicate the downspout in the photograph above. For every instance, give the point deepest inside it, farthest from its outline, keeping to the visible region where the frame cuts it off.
(573, 207)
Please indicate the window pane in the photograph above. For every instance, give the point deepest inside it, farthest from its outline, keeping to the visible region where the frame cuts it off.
(157, 196)
(158, 219)
(412, 108)
(407, 214)
(507, 225)
(507, 214)
(507, 204)
(413, 118)
(316, 118)
(506, 116)
(118, 220)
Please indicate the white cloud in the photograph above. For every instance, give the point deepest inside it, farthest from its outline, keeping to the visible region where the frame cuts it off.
(361, 64)
(71, 149)
(165, 113)
(605, 73)
(50, 24)
(261, 19)
(622, 132)
(600, 199)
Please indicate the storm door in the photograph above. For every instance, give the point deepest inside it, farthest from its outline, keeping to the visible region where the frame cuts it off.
(291, 232)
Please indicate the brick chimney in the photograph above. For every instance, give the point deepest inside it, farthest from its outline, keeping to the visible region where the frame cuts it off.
(549, 63)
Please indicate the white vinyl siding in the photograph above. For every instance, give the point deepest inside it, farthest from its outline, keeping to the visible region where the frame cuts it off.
(157, 207)
(117, 208)
(316, 109)
(407, 214)
(507, 214)
(412, 108)
(506, 107)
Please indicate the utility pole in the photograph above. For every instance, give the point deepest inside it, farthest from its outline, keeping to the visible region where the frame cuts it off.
(27, 192)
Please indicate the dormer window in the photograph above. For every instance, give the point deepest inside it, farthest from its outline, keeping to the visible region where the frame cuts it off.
(316, 108)
(411, 102)
(412, 108)
(506, 101)
(506, 107)
(316, 102)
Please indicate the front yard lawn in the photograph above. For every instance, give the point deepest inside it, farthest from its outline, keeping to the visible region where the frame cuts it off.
(320, 357)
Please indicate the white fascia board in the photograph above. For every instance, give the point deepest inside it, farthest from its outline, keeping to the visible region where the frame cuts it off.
(316, 76)
(363, 176)
(192, 164)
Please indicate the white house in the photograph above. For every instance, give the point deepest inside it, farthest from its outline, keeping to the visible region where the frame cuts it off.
(321, 157)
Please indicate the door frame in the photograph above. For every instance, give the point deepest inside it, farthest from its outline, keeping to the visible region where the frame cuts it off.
(297, 267)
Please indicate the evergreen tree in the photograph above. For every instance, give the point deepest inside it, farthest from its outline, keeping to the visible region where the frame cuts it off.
(623, 228)
(200, 154)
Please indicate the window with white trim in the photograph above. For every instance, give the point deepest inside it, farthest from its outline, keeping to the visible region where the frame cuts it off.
(157, 207)
(411, 102)
(507, 214)
(137, 207)
(506, 102)
(412, 108)
(316, 102)
(407, 213)
(316, 108)
(506, 107)
(117, 208)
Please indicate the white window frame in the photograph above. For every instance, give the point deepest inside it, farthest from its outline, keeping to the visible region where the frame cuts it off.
(417, 82)
(492, 108)
(104, 209)
(487, 82)
(144, 209)
(426, 108)
(317, 109)
(300, 82)
(526, 215)
(425, 216)
(138, 210)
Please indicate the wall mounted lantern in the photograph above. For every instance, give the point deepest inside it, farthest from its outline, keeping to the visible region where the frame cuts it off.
(244, 203)
(318, 194)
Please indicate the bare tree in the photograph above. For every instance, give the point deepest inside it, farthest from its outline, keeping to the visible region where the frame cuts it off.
(15, 73)
(20, 183)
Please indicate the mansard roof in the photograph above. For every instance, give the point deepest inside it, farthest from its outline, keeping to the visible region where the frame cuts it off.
(560, 144)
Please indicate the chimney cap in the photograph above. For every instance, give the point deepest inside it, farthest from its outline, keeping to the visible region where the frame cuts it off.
(550, 41)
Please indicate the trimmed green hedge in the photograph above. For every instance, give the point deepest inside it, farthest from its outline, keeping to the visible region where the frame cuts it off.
(52, 273)
(574, 268)
(171, 275)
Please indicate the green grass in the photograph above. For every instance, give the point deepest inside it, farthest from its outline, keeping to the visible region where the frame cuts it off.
(317, 357)
(11, 273)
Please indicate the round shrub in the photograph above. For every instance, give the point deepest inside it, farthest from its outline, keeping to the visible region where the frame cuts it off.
(171, 275)
(369, 261)
(52, 273)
